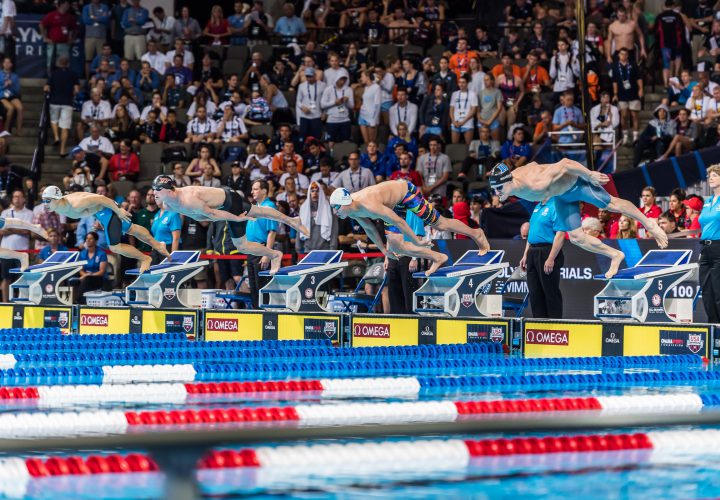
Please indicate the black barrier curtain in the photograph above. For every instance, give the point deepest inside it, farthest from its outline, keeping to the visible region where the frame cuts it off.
(576, 279)
(667, 175)
(505, 222)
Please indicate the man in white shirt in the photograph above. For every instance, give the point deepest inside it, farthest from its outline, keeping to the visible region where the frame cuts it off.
(180, 49)
(158, 61)
(307, 105)
(355, 177)
(435, 169)
(337, 103)
(162, 32)
(334, 72)
(463, 106)
(403, 111)
(95, 111)
(96, 143)
(301, 180)
(14, 239)
(200, 128)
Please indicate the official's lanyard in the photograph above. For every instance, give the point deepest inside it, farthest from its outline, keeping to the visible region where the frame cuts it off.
(459, 100)
(404, 119)
(352, 182)
(311, 98)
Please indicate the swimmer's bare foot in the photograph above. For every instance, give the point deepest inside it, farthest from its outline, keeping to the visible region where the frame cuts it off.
(438, 260)
(24, 261)
(482, 242)
(297, 225)
(660, 236)
(615, 262)
(40, 231)
(145, 261)
(276, 262)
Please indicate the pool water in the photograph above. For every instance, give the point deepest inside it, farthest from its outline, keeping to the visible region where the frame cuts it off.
(55, 386)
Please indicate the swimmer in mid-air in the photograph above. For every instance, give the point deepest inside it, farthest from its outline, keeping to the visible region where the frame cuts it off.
(223, 204)
(570, 183)
(113, 218)
(390, 201)
(21, 225)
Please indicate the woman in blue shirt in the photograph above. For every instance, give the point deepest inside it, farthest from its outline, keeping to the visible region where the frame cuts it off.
(166, 228)
(543, 260)
(710, 253)
(92, 275)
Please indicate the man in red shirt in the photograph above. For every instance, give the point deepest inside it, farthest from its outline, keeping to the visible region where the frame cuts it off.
(405, 172)
(58, 29)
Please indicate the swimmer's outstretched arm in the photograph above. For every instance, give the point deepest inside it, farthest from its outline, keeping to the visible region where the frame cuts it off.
(392, 218)
(576, 168)
(90, 201)
(374, 236)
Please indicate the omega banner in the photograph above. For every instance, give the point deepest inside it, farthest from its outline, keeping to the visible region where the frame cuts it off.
(109, 320)
(23, 316)
(260, 325)
(376, 330)
(584, 338)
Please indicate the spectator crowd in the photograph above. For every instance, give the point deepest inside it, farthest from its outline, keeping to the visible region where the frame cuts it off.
(285, 107)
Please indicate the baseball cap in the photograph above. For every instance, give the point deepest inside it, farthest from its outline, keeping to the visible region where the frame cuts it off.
(75, 150)
(309, 71)
(694, 204)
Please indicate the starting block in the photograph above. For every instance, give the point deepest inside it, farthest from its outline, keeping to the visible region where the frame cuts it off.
(297, 288)
(639, 293)
(159, 286)
(42, 284)
(462, 289)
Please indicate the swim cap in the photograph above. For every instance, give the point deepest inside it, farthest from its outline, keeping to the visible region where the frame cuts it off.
(340, 197)
(163, 182)
(500, 174)
(52, 193)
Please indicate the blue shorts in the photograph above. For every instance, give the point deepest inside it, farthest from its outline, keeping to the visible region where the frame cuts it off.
(669, 54)
(114, 226)
(2, 222)
(567, 205)
(364, 123)
(494, 125)
(433, 131)
(386, 106)
(463, 129)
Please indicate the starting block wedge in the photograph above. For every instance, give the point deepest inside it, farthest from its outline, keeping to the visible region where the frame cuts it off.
(43, 284)
(463, 289)
(297, 288)
(640, 293)
(159, 286)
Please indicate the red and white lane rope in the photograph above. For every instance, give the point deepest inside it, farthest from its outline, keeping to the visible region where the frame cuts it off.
(43, 424)
(402, 454)
(58, 395)
(17, 473)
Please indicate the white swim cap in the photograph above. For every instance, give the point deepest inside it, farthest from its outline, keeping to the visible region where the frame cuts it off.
(340, 197)
(52, 193)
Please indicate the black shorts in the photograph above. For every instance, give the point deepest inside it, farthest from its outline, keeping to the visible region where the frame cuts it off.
(6, 265)
(236, 205)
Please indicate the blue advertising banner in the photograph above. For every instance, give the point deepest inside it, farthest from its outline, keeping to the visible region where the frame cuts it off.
(30, 49)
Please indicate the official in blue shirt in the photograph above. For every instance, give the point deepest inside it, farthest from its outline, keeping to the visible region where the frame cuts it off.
(260, 231)
(710, 254)
(289, 26)
(401, 284)
(92, 274)
(543, 260)
(166, 228)
(517, 152)
(53, 246)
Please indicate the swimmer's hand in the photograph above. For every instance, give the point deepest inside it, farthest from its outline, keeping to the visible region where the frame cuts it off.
(598, 178)
(125, 215)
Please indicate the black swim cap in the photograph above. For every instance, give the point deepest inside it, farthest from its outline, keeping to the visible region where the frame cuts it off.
(500, 174)
(163, 182)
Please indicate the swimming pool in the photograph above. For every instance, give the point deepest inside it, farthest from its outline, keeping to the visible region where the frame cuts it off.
(319, 421)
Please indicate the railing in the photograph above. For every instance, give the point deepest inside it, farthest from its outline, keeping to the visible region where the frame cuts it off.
(579, 148)
(39, 153)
